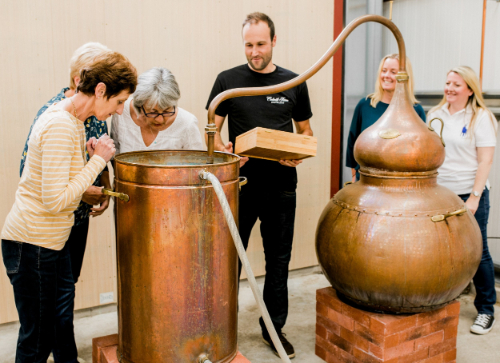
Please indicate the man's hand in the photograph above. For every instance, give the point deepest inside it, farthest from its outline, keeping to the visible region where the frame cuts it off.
(93, 195)
(100, 210)
(228, 148)
(290, 163)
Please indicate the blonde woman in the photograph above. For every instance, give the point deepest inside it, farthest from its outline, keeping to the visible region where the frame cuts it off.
(470, 136)
(369, 109)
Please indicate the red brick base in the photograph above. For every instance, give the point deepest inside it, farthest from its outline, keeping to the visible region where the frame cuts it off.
(347, 334)
(104, 350)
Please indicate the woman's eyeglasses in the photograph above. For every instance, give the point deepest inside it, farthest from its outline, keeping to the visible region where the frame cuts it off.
(156, 114)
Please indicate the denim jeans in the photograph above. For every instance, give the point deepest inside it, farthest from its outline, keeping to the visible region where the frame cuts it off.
(484, 279)
(43, 285)
(276, 211)
(77, 242)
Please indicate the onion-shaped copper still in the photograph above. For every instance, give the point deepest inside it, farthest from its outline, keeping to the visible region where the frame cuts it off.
(396, 240)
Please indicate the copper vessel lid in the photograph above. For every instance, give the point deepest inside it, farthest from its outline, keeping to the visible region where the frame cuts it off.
(174, 167)
(399, 142)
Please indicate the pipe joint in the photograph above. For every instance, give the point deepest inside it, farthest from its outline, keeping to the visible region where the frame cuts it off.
(402, 77)
(211, 129)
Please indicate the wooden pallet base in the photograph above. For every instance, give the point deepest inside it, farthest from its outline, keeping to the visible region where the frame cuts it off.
(104, 350)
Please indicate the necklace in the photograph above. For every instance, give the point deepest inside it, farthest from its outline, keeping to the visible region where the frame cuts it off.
(74, 108)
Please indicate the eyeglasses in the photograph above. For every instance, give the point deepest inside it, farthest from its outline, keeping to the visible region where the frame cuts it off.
(156, 114)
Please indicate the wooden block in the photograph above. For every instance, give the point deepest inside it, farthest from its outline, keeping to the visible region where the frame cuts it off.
(354, 335)
(275, 145)
(108, 354)
(102, 342)
(104, 350)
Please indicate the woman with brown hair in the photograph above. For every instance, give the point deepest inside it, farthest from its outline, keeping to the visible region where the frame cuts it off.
(54, 179)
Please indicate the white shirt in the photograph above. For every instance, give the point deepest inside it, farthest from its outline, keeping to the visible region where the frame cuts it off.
(459, 169)
(182, 134)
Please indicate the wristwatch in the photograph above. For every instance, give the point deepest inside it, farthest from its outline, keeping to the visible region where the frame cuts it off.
(476, 193)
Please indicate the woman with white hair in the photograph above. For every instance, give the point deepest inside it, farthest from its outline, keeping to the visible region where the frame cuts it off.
(470, 136)
(151, 119)
(371, 108)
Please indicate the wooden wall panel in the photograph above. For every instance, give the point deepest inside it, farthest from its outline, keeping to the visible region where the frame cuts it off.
(194, 39)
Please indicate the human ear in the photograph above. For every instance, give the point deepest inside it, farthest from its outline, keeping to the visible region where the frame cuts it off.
(100, 90)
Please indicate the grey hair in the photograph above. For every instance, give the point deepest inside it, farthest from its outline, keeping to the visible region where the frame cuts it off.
(157, 87)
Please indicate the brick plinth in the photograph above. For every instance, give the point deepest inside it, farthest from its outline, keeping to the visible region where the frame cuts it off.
(104, 350)
(347, 334)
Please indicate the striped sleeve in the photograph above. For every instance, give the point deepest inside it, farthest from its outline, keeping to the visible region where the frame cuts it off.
(59, 188)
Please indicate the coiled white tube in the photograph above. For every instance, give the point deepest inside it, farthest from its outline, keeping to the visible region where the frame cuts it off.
(245, 263)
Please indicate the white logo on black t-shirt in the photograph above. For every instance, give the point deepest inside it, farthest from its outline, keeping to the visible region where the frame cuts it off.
(277, 100)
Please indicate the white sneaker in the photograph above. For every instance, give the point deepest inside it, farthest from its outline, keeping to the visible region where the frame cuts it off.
(482, 324)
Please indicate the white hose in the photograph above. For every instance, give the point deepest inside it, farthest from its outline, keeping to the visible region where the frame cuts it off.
(245, 263)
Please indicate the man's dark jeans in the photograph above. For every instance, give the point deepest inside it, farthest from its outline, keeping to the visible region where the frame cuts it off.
(484, 279)
(276, 211)
(43, 284)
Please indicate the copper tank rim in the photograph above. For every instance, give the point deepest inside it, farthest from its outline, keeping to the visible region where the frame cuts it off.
(183, 186)
(117, 159)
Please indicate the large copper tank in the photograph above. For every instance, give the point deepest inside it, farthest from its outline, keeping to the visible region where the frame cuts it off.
(396, 240)
(177, 265)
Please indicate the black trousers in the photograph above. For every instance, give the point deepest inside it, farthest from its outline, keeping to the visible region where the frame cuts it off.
(276, 211)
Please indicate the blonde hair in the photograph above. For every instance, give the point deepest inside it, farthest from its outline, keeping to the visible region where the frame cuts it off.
(476, 100)
(376, 96)
(82, 57)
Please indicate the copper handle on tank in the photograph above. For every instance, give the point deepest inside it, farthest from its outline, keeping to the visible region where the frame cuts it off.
(260, 91)
(243, 181)
(442, 127)
(121, 196)
(347, 183)
(442, 217)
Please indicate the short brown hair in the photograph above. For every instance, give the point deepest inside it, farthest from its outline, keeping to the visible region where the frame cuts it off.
(254, 18)
(112, 69)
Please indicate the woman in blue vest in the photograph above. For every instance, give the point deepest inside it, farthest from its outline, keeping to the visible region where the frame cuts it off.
(370, 108)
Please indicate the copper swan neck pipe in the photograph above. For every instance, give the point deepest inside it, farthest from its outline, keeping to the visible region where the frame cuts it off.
(258, 91)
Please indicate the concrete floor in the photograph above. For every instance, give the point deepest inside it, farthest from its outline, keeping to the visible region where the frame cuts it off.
(300, 328)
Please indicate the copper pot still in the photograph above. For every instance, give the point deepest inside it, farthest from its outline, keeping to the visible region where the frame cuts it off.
(177, 265)
(397, 241)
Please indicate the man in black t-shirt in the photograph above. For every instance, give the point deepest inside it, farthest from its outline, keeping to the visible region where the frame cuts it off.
(270, 192)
